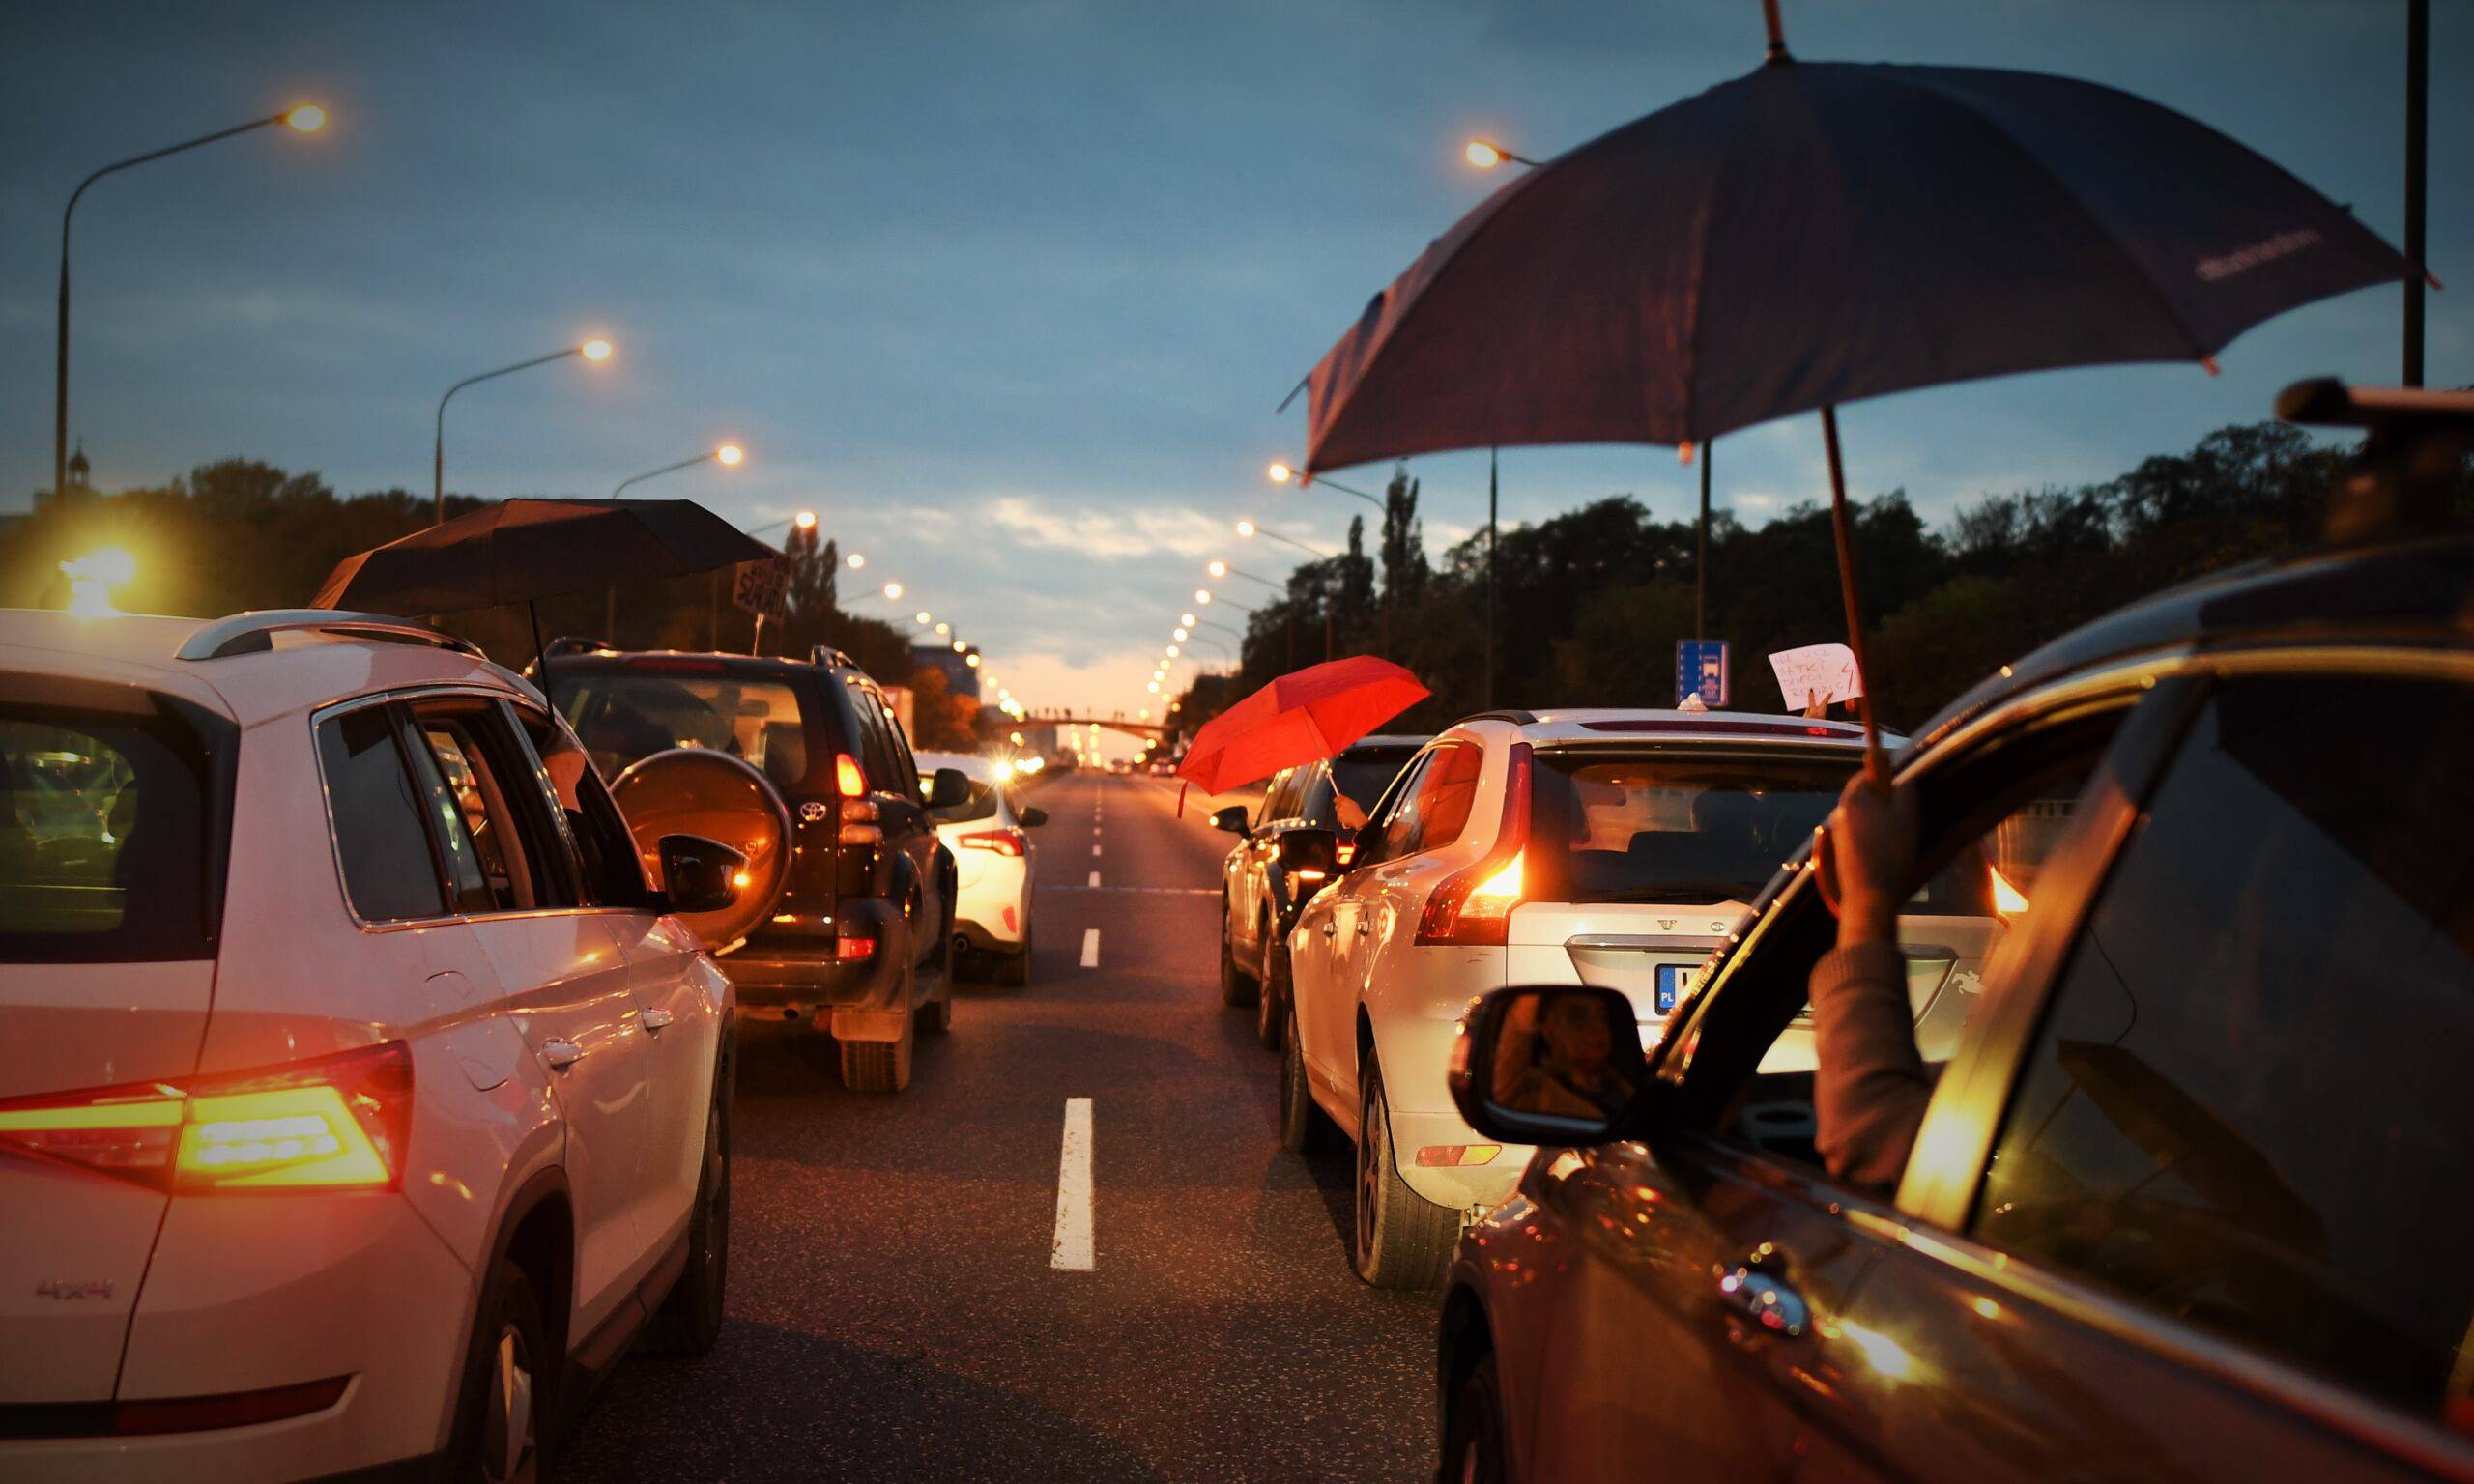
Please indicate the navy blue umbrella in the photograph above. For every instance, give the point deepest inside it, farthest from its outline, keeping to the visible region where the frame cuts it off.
(1814, 233)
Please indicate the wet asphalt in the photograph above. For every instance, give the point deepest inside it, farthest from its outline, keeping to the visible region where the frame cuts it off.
(894, 1313)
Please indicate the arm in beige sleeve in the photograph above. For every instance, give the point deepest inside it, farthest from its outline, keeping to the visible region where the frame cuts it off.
(1870, 1088)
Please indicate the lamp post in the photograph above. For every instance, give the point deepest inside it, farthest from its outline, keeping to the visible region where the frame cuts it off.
(1281, 474)
(304, 119)
(727, 455)
(595, 350)
(1250, 530)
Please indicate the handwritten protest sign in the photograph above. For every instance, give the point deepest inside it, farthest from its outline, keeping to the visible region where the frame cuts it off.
(1824, 671)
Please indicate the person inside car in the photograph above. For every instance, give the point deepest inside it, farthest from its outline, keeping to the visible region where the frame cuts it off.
(1567, 1065)
(1870, 1085)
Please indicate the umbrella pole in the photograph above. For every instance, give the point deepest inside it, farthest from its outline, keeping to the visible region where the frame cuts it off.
(1843, 536)
(540, 653)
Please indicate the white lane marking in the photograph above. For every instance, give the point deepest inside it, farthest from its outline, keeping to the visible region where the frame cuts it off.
(1090, 948)
(1073, 1251)
(1095, 848)
(1095, 879)
(1155, 890)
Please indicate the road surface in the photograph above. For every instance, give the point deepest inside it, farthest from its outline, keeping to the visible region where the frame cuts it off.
(907, 1299)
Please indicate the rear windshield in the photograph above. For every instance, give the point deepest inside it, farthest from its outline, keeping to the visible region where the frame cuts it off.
(103, 840)
(1670, 828)
(625, 716)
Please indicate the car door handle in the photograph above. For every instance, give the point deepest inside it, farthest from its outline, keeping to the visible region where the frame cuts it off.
(1331, 929)
(654, 1019)
(560, 1054)
(1767, 1299)
(1363, 928)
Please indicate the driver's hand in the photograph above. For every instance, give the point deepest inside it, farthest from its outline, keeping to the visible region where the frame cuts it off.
(1871, 844)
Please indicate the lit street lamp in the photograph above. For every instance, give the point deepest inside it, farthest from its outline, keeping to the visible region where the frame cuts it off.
(805, 519)
(304, 119)
(1281, 474)
(1486, 155)
(1250, 530)
(727, 455)
(1218, 568)
(595, 350)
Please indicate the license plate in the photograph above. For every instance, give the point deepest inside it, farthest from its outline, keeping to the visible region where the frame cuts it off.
(1676, 983)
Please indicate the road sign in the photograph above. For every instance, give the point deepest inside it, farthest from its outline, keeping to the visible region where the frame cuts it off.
(763, 587)
(1701, 669)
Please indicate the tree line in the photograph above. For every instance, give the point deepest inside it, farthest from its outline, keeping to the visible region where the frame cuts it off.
(1590, 603)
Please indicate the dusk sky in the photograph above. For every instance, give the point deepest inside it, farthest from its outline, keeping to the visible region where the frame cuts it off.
(1008, 291)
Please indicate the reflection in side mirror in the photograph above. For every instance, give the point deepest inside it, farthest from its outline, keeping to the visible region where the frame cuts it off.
(1032, 817)
(699, 874)
(1552, 1064)
(949, 789)
(1232, 820)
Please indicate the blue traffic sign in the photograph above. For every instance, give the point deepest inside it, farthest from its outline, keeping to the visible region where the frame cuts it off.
(1701, 669)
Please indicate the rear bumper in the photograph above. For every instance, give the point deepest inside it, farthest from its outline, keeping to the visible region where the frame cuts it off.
(1415, 1051)
(231, 1305)
(796, 968)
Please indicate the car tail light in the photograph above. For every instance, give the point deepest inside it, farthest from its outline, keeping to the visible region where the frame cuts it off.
(1346, 851)
(1007, 842)
(1473, 906)
(852, 950)
(848, 780)
(338, 1122)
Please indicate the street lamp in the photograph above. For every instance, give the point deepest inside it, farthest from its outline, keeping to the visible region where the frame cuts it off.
(1486, 155)
(922, 617)
(595, 350)
(727, 455)
(303, 119)
(1281, 474)
(805, 519)
(858, 562)
(1218, 568)
(1250, 530)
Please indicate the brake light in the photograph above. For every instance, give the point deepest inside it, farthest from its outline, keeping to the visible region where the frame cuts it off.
(851, 950)
(338, 1122)
(848, 780)
(2008, 901)
(1473, 907)
(1007, 842)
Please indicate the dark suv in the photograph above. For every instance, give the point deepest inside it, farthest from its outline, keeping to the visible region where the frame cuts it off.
(1259, 896)
(858, 939)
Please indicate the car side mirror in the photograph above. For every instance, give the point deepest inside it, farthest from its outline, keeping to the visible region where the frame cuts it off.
(1032, 817)
(1232, 820)
(1311, 854)
(699, 874)
(1549, 1064)
(949, 789)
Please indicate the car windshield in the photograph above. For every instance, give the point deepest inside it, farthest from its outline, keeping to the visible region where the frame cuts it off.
(625, 716)
(1673, 828)
(102, 852)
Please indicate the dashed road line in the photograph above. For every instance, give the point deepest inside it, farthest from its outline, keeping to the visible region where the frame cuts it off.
(1095, 848)
(1090, 948)
(1156, 890)
(1073, 1250)
(1095, 880)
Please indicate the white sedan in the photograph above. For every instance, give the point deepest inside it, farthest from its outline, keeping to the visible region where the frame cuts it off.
(991, 846)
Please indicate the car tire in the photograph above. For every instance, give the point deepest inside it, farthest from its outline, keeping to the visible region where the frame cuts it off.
(504, 1397)
(1235, 989)
(1271, 1000)
(1304, 1129)
(1013, 970)
(690, 1320)
(1473, 1429)
(883, 1066)
(1400, 1239)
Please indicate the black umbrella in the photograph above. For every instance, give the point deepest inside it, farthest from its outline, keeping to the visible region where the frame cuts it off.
(1814, 233)
(518, 551)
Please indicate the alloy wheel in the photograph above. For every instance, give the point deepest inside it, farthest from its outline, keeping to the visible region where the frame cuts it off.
(507, 1449)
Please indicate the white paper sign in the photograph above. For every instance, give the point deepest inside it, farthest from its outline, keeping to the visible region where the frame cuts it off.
(1827, 670)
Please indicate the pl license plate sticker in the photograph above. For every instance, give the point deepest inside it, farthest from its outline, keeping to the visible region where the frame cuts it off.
(1676, 983)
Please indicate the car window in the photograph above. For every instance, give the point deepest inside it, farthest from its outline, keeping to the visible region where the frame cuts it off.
(1671, 827)
(607, 866)
(1278, 796)
(103, 851)
(1446, 790)
(900, 741)
(480, 820)
(1387, 835)
(375, 808)
(624, 716)
(884, 774)
(2248, 1107)
(1361, 776)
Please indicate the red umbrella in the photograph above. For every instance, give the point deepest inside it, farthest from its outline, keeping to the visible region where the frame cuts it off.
(1311, 713)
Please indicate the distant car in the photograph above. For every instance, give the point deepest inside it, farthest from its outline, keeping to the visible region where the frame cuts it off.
(1259, 898)
(859, 941)
(1584, 846)
(360, 1098)
(990, 838)
(2187, 1198)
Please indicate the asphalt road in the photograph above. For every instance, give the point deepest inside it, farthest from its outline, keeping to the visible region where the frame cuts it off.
(896, 1310)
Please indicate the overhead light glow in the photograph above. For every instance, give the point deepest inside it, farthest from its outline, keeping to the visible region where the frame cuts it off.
(307, 119)
(595, 350)
(805, 519)
(730, 455)
(1280, 473)
(1485, 155)
(893, 591)
(858, 562)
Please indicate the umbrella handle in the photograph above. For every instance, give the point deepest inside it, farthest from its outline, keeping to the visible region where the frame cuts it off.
(1877, 769)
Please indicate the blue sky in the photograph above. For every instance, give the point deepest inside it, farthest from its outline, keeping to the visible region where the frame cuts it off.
(1008, 291)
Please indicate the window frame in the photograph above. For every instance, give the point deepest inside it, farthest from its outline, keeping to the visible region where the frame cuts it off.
(1378, 819)
(520, 717)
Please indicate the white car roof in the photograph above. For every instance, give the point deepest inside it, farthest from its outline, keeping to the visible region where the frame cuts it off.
(299, 669)
(1602, 725)
(977, 769)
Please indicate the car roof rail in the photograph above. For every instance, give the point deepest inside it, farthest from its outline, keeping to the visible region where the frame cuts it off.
(253, 632)
(1517, 718)
(2402, 483)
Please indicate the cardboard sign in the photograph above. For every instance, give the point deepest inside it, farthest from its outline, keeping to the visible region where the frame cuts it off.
(1701, 671)
(763, 587)
(1826, 670)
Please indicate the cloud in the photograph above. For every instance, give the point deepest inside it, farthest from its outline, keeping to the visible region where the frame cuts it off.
(1103, 534)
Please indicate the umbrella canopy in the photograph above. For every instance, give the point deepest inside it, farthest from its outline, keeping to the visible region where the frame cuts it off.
(1311, 713)
(520, 550)
(1814, 233)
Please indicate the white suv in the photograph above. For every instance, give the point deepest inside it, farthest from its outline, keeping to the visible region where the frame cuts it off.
(1604, 848)
(359, 1101)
